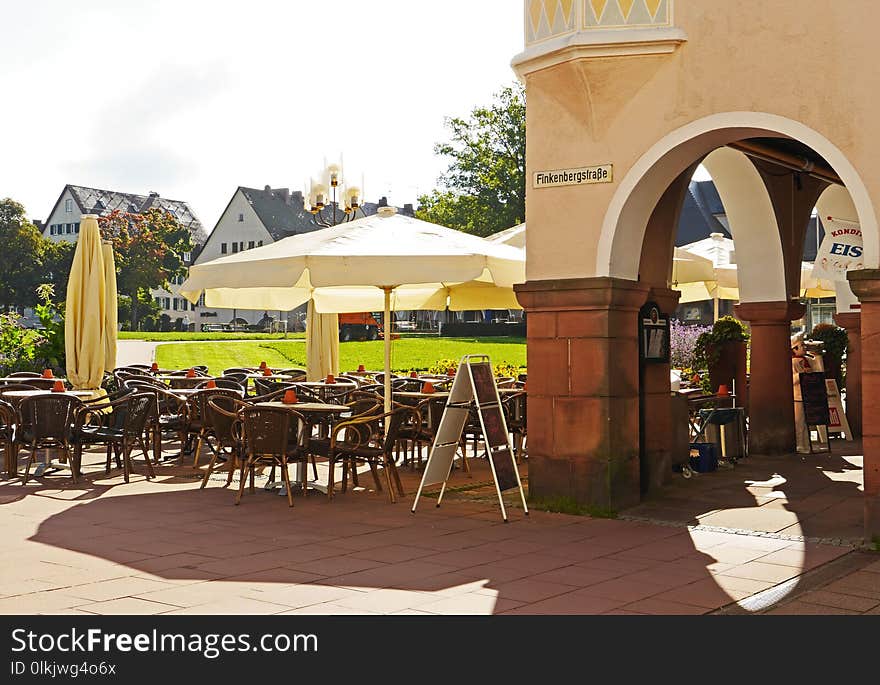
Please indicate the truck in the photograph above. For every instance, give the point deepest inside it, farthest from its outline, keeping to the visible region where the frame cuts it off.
(359, 326)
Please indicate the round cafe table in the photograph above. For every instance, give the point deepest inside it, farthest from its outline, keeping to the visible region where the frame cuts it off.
(21, 394)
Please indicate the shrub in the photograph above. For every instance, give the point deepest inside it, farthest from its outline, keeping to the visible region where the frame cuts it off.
(707, 348)
(835, 341)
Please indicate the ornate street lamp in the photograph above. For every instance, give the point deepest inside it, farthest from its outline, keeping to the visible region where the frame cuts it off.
(330, 201)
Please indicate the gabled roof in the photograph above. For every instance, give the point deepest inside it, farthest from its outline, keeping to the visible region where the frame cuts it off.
(698, 220)
(283, 213)
(102, 202)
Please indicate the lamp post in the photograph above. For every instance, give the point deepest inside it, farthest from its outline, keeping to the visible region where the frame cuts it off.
(328, 196)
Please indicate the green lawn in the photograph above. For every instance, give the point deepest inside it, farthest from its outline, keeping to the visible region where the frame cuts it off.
(170, 337)
(406, 353)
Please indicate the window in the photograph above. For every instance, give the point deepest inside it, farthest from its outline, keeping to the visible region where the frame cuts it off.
(52, 229)
(251, 245)
(222, 248)
(192, 307)
(68, 206)
(234, 248)
(260, 244)
(166, 303)
(202, 300)
(69, 228)
(241, 218)
(174, 303)
(158, 301)
(187, 257)
(76, 227)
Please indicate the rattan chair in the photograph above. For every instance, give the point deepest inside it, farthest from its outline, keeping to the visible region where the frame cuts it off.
(266, 440)
(46, 422)
(514, 406)
(197, 427)
(222, 413)
(8, 420)
(226, 383)
(121, 425)
(25, 374)
(360, 441)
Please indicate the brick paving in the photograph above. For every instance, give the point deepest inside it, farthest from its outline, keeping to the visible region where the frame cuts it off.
(167, 547)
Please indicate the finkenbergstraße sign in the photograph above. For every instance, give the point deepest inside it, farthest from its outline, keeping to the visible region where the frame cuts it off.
(603, 173)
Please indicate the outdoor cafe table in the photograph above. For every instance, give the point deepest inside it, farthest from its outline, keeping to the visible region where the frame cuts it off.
(25, 379)
(21, 394)
(313, 413)
(272, 376)
(420, 395)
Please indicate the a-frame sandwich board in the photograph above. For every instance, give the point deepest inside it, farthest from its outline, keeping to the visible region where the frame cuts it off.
(474, 387)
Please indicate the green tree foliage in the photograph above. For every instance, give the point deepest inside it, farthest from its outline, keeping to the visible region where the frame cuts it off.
(57, 260)
(484, 189)
(21, 254)
(148, 248)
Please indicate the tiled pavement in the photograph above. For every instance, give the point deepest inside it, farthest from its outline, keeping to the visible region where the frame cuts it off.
(166, 547)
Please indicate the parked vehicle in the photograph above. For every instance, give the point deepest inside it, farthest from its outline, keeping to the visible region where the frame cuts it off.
(359, 326)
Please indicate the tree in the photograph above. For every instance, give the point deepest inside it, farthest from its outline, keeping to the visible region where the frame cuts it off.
(484, 189)
(21, 266)
(57, 260)
(148, 248)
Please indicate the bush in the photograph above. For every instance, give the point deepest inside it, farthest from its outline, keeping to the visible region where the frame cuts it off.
(18, 346)
(836, 342)
(707, 348)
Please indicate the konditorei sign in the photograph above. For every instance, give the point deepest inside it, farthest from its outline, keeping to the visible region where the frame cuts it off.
(604, 173)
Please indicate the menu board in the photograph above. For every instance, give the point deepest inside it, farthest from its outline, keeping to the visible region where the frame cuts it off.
(484, 383)
(815, 396)
(653, 335)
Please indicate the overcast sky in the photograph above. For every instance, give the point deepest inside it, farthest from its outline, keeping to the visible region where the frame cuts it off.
(191, 98)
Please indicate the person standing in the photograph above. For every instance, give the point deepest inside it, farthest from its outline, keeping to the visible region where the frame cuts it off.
(800, 363)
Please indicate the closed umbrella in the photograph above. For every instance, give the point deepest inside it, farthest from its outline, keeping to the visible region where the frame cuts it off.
(85, 314)
(111, 323)
(322, 343)
(389, 260)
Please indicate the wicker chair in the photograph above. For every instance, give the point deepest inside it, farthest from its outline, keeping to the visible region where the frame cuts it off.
(7, 435)
(120, 425)
(419, 431)
(25, 374)
(359, 441)
(196, 410)
(46, 422)
(222, 414)
(514, 406)
(266, 386)
(266, 439)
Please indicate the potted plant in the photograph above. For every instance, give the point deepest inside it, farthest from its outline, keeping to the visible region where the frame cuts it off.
(835, 340)
(722, 351)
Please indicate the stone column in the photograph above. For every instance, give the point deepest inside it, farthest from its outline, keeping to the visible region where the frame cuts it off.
(584, 390)
(852, 322)
(771, 393)
(866, 286)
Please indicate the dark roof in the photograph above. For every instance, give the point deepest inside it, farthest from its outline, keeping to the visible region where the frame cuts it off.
(283, 213)
(97, 201)
(699, 212)
(702, 205)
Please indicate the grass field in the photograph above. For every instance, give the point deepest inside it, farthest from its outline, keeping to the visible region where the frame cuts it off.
(173, 337)
(406, 353)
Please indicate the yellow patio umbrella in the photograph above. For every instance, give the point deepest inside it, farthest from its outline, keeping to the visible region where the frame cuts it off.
(85, 315)
(111, 314)
(322, 343)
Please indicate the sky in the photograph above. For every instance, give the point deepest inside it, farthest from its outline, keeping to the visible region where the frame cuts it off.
(192, 99)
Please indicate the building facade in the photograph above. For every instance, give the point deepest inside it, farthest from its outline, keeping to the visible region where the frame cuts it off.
(74, 201)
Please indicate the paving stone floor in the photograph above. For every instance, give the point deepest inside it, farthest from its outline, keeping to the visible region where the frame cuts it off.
(167, 547)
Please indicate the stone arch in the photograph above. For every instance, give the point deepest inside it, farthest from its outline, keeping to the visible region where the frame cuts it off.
(638, 193)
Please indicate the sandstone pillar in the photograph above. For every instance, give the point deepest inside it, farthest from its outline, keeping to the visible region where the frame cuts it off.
(771, 394)
(584, 390)
(866, 286)
(852, 322)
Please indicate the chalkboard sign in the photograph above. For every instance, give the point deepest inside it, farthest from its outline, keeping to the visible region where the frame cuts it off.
(653, 335)
(815, 396)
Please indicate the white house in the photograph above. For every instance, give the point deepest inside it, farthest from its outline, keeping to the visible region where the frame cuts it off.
(74, 201)
(254, 218)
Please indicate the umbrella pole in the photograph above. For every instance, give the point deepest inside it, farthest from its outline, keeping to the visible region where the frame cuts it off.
(387, 337)
(715, 304)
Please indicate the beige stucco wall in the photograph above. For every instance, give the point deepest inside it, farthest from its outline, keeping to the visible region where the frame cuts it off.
(806, 69)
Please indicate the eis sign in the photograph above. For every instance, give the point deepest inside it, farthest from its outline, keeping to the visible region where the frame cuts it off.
(841, 250)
